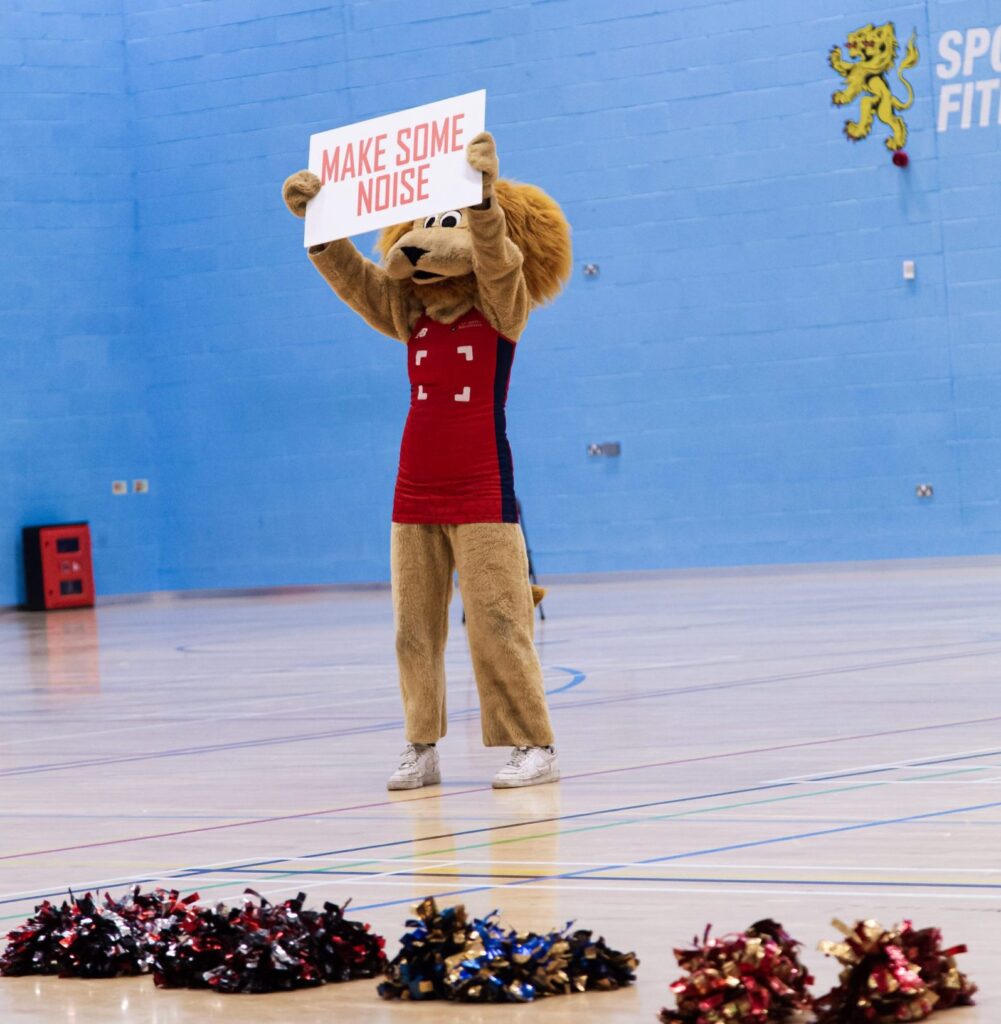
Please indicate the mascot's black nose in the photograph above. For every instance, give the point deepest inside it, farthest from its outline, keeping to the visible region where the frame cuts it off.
(413, 253)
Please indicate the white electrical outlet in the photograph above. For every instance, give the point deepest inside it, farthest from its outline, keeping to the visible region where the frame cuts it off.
(140, 487)
(909, 270)
(119, 487)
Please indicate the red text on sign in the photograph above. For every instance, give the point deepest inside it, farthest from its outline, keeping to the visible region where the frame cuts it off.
(400, 188)
(429, 139)
(367, 156)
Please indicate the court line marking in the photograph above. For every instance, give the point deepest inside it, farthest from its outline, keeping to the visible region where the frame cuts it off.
(364, 877)
(879, 766)
(752, 886)
(473, 712)
(574, 816)
(577, 677)
(675, 815)
(486, 789)
(590, 872)
(877, 823)
(534, 862)
(248, 866)
(463, 714)
(816, 833)
(786, 677)
(236, 866)
(418, 894)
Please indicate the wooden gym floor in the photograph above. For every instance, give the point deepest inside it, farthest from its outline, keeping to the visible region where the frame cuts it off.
(801, 743)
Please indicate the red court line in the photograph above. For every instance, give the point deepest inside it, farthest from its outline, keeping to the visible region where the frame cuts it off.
(486, 789)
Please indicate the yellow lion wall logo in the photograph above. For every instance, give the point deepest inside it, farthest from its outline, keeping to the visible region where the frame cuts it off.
(874, 50)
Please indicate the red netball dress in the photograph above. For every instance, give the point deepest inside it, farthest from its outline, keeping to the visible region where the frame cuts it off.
(455, 460)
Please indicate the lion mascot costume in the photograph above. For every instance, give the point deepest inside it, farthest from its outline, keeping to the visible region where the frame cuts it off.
(457, 288)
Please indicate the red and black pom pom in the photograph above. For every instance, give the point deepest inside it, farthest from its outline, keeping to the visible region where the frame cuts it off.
(258, 947)
(84, 938)
(263, 947)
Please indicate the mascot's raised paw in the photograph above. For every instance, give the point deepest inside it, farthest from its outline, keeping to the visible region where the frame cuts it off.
(298, 189)
(482, 156)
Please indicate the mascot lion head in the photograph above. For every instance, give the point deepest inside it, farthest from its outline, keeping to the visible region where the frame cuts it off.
(436, 252)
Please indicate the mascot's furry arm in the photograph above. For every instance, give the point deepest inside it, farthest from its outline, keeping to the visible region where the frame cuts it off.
(365, 287)
(497, 261)
(392, 305)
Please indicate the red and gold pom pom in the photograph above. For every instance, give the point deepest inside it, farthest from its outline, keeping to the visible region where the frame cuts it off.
(747, 978)
(892, 974)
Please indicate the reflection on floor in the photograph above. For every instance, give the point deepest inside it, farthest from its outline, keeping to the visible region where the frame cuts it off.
(800, 743)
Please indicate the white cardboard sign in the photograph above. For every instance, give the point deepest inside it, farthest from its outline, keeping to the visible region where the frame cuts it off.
(394, 168)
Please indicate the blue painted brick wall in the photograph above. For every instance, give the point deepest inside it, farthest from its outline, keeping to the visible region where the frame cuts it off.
(74, 412)
(778, 389)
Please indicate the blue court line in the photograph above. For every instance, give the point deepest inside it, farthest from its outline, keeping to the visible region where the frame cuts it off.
(589, 873)
(570, 705)
(192, 872)
(196, 872)
(763, 787)
(524, 876)
(438, 895)
(877, 823)
(959, 757)
(585, 873)
(577, 677)
(784, 678)
(910, 764)
(268, 741)
(853, 774)
(463, 715)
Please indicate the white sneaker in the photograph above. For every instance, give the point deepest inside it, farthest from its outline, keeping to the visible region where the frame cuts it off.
(528, 766)
(419, 766)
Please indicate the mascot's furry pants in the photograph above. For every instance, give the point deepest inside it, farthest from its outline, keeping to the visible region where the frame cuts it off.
(500, 617)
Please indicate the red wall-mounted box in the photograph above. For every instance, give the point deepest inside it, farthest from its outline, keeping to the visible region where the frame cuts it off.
(58, 569)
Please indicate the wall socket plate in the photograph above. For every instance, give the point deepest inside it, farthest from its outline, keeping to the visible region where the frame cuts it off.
(609, 449)
(909, 270)
(140, 487)
(119, 487)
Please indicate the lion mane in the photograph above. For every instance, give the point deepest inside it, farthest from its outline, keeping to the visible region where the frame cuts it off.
(535, 224)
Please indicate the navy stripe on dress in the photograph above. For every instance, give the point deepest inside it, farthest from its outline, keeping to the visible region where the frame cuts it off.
(502, 375)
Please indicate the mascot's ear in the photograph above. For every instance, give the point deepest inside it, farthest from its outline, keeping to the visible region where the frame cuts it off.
(535, 223)
(388, 237)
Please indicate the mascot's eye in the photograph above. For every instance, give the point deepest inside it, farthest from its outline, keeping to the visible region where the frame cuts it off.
(429, 223)
(452, 219)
